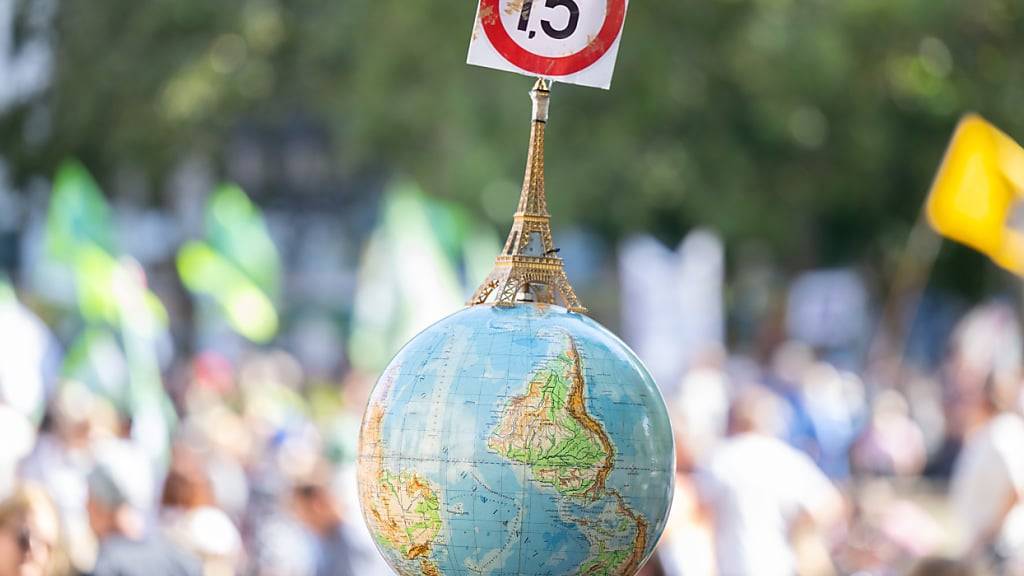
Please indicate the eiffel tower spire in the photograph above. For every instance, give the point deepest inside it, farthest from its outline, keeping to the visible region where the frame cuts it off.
(529, 268)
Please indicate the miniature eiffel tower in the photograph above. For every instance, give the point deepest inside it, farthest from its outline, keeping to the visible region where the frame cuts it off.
(529, 268)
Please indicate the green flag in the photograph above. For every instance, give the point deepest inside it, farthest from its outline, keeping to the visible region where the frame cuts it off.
(235, 228)
(113, 299)
(247, 309)
(78, 214)
(237, 264)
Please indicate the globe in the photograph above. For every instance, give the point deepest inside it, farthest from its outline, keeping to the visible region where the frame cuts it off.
(516, 440)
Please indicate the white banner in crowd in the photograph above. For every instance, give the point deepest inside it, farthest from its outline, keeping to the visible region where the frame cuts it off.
(827, 308)
(672, 306)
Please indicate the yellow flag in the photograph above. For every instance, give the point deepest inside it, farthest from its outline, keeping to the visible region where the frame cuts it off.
(975, 194)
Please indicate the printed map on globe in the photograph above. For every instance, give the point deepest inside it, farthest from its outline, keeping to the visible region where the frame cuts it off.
(524, 440)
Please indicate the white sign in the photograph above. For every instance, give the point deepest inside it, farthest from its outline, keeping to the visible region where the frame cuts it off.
(572, 41)
(828, 308)
(672, 302)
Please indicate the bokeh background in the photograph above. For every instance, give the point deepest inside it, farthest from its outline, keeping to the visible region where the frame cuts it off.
(219, 220)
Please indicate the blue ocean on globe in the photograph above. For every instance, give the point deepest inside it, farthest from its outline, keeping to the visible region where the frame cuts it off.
(525, 440)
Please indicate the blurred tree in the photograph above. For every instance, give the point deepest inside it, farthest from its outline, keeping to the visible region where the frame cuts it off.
(812, 125)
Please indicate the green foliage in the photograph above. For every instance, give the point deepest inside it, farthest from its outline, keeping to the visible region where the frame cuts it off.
(813, 125)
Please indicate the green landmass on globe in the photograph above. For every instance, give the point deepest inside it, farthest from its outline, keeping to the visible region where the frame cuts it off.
(549, 429)
(405, 508)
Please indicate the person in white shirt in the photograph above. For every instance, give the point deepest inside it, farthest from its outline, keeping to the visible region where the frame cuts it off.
(986, 489)
(983, 372)
(758, 489)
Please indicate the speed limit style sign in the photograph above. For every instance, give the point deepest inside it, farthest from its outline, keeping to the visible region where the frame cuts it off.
(573, 41)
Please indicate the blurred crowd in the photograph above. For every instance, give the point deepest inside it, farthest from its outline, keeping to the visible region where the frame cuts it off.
(258, 480)
(785, 466)
(195, 437)
(794, 466)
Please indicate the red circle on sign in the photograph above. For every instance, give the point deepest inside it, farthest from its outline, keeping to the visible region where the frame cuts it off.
(490, 17)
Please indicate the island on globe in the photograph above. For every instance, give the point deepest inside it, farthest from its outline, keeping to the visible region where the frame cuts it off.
(522, 440)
